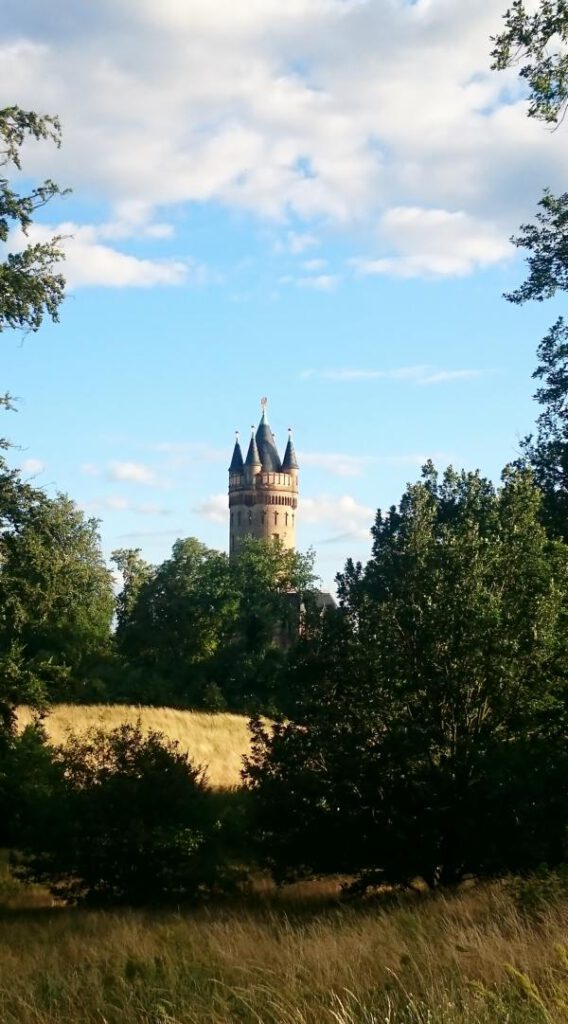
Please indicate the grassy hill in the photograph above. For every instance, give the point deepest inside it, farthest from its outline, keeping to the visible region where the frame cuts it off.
(217, 741)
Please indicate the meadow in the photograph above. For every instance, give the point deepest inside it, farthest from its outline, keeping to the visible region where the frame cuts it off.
(493, 953)
(472, 957)
(216, 741)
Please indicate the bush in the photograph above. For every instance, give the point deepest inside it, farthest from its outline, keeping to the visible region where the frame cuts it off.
(129, 820)
(26, 779)
(536, 893)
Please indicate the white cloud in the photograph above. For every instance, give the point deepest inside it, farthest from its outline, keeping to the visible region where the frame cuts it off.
(297, 242)
(344, 515)
(445, 376)
(89, 262)
(320, 283)
(422, 375)
(341, 464)
(32, 466)
(333, 462)
(435, 243)
(118, 503)
(312, 265)
(89, 469)
(215, 509)
(134, 472)
(313, 112)
(115, 501)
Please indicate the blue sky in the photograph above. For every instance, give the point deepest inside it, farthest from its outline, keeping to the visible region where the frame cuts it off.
(309, 200)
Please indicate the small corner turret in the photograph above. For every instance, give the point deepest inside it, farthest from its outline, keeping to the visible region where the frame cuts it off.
(263, 490)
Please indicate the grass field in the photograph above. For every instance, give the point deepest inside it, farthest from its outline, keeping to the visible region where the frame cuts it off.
(471, 958)
(217, 741)
(293, 956)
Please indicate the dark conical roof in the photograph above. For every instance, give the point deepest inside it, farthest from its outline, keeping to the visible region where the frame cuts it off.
(253, 457)
(267, 449)
(237, 460)
(290, 461)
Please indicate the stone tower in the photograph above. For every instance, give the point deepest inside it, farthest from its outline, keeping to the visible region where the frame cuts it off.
(263, 491)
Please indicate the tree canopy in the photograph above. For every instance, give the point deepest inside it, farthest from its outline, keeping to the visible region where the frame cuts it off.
(30, 286)
(56, 600)
(202, 629)
(427, 732)
(537, 40)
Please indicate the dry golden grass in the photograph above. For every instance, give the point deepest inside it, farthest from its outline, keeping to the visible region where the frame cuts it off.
(470, 958)
(217, 741)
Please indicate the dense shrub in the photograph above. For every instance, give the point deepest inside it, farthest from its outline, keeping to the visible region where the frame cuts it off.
(129, 820)
(27, 777)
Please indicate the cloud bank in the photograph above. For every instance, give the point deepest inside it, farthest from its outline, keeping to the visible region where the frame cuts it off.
(379, 118)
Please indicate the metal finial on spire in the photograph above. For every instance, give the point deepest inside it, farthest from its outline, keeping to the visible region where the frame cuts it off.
(263, 403)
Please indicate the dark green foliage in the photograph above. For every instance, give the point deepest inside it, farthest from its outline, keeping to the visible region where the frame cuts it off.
(540, 38)
(129, 820)
(537, 40)
(546, 243)
(431, 712)
(535, 893)
(29, 287)
(547, 452)
(27, 775)
(56, 600)
(202, 631)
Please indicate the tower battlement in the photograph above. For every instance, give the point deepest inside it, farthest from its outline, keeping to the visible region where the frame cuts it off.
(263, 489)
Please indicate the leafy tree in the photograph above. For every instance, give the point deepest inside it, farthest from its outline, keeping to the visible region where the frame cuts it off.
(273, 584)
(537, 40)
(202, 630)
(431, 710)
(547, 245)
(56, 600)
(172, 617)
(30, 287)
(128, 820)
(135, 573)
(547, 453)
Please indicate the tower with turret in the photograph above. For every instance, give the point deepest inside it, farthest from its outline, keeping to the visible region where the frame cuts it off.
(263, 489)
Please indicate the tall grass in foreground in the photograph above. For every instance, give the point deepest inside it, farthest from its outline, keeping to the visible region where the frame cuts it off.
(216, 741)
(470, 958)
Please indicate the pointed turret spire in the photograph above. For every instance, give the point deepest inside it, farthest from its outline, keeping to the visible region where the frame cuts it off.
(253, 457)
(265, 441)
(237, 465)
(290, 461)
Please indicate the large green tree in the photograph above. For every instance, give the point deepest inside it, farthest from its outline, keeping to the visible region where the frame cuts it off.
(537, 40)
(56, 599)
(428, 732)
(30, 286)
(201, 628)
(546, 452)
